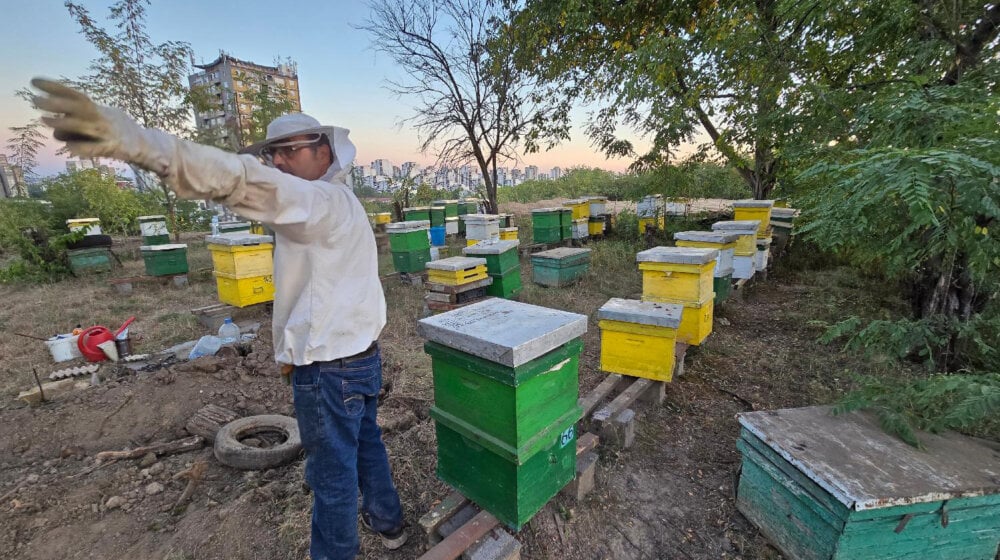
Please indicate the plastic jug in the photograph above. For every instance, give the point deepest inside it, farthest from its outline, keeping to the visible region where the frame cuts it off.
(228, 332)
(207, 345)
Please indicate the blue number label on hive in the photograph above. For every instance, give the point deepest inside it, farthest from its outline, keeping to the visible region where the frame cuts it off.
(566, 436)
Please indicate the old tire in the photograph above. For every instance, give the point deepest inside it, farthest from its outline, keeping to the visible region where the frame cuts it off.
(230, 452)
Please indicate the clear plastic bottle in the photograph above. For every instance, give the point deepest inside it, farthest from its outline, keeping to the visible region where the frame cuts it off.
(228, 332)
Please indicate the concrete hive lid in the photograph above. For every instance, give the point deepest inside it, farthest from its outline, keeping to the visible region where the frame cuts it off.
(784, 212)
(706, 236)
(642, 312)
(417, 208)
(402, 227)
(484, 218)
(503, 331)
(764, 241)
(560, 253)
(456, 263)
(491, 247)
(151, 218)
(165, 247)
(750, 203)
(545, 210)
(679, 255)
(736, 225)
(238, 238)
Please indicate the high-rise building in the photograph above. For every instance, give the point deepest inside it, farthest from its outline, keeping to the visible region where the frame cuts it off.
(12, 182)
(555, 173)
(230, 86)
(530, 172)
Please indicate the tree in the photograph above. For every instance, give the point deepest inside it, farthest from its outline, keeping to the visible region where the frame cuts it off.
(24, 146)
(472, 102)
(144, 79)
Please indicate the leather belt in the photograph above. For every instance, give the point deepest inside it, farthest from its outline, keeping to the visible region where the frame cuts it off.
(366, 353)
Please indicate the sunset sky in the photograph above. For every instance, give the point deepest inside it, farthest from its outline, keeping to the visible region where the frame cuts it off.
(342, 79)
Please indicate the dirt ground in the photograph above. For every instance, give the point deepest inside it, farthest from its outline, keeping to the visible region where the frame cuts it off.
(669, 496)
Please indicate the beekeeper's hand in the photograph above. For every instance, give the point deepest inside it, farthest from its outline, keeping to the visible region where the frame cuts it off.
(89, 129)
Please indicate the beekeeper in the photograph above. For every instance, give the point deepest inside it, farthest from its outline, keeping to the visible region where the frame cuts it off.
(328, 307)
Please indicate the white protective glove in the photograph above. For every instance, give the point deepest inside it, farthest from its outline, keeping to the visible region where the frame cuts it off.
(92, 130)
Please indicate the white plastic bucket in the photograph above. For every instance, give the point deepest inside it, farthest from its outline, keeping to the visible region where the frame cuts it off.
(65, 348)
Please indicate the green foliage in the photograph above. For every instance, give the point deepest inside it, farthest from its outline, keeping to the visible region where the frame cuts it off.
(88, 194)
(967, 402)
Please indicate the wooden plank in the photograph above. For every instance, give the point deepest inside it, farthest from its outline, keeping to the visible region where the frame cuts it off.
(455, 544)
(446, 289)
(588, 402)
(586, 442)
(622, 401)
(442, 512)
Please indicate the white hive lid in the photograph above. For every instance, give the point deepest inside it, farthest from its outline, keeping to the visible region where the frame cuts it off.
(456, 263)
(678, 255)
(750, 203)
(503, 331)
(491, 247)
(642, 312)
(166, 247)
(238, 238)
(706, 236)
(403, 227)
(736, 225)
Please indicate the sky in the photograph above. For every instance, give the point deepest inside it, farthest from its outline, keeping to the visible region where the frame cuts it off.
(341, 77)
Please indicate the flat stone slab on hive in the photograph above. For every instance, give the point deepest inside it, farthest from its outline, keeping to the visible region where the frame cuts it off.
(403, 227)
(238, 238)
(480, 218)
(784, 212)
(503, 331)
(456, 263)
(488, 248)
(560, 253)
(863, 467)
(736, 225)
(641, 312)
(720, 237)
(678, 255)
(751, 203)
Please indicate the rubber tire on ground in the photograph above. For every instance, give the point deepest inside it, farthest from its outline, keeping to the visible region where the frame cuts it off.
(230, 452)
(90, 241)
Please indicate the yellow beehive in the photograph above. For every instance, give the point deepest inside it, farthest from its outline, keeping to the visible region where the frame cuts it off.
(581, 208)
(595, 228)
(242, 260)
(754, 210)
(677, 274)
(706, 244)
(242, 292)
(746, 243)
(658, 223)
(508, 233)
(637, 338)
(383, 218)
(696, 320)
(456, 271)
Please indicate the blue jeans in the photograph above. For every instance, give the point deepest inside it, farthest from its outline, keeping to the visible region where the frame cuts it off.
(335, 404)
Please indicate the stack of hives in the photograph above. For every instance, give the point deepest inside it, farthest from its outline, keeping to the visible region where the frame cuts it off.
(759, 210)
(438, 231)
(93, 252)
(650, 213)
(725, 244)
(508, 231)
(456, 282)
(481, 227)
(580, 217)
(546, 225)
(417, 214)
(466, 206)
(559, 267)
(378, 220)
(161, 257)
(597, 224)
(681, 275)
(502, 264)
(782, 222)
(244, 267)
(505, 403)
(410, 245)
(449, 215)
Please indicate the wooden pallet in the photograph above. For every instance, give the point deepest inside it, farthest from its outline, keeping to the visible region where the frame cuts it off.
(456, 526)
(124, 286)
(212, 316)
(614, 420)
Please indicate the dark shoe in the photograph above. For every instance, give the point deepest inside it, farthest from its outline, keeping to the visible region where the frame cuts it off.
(390, 539)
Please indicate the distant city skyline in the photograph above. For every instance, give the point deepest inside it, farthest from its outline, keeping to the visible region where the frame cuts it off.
(341, 83)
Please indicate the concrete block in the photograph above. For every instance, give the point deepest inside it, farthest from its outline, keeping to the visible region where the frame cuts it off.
(619, 433)
(584, 481)
(496, 545)
(180, 281)
(657, 392)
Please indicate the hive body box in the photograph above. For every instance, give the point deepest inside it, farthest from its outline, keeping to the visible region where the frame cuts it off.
(638, 338)
(755, 210)
(825, 487)
(505, 402)
(94, 259)
(546, 226)
(417, 214)
(746, 230)
(481, 227)
(456, 271)
(559, 267)
(502, 265)
(410, 244)
(165, 259)
(153, 230)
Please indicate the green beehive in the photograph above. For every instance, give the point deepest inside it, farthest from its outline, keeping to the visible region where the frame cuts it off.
(408, 236)
(153, 230)
(417, 214)
(559, 267)
(543, 218)
(94, 259)
(411, 261)
(437, 216)
(506, 284)
(500, 255)
(165, 260)
(722, 286)
(505, 402)
(825, 487)
(451, 208)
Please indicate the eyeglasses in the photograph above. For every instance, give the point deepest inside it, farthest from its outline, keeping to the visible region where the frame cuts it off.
(286, 149)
